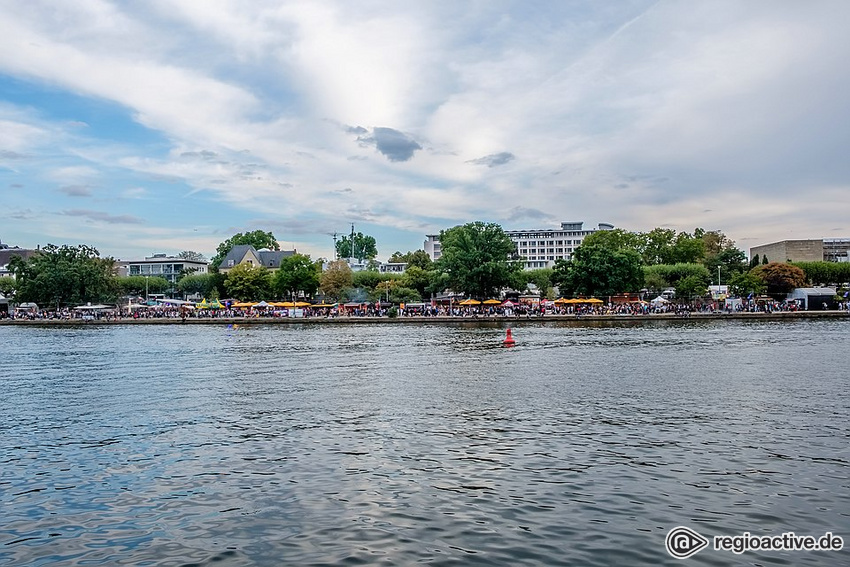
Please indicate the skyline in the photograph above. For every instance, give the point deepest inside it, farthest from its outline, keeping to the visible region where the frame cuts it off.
(169, 126)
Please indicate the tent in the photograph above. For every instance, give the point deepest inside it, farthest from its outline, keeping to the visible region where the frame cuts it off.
(659, 301)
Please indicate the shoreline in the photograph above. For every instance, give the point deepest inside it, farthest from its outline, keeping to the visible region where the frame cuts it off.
(776, 316)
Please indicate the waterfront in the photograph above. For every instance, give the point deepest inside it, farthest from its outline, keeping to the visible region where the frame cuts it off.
(362, 444)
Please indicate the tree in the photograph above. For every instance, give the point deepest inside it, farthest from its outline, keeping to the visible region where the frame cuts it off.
(825, 273)
(416, 278)
(336, 278)
(691, 286)
(297, 274)
(248, 283)
(754, 262)
(418, 258)
(197, 284)
(66, 275)
(139, 285)
(780, 277)
(192, 256)
(764, 260)
(258, 239)
(364, 247)
(478, 258)
(7, 286)
(597, 270)
(746, 284)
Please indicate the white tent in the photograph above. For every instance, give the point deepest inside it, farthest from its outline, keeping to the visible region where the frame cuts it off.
(659, 300)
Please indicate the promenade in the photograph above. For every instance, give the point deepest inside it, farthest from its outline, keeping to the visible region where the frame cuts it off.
(448, 320)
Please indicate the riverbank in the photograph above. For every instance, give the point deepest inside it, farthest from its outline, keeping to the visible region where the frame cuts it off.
(776, 316)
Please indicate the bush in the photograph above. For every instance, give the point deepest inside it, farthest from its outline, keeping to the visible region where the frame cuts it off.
(393, 312)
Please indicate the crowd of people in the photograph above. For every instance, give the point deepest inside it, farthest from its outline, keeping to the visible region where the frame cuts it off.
(377, 310)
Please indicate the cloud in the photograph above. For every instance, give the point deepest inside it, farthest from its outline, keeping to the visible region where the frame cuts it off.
(395, 145)
(493, 160)
(520, 213)
(76, 190)
(103, 217)
(10, 155)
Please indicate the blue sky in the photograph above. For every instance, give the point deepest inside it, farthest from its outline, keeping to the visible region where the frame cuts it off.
(161, 126)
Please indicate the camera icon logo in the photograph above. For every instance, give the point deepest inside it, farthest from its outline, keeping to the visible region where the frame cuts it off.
(683, 542)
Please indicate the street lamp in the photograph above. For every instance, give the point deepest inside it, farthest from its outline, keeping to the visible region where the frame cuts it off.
(146, 289)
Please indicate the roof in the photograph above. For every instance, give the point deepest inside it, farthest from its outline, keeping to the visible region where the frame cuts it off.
(268, 258)
(271, 259)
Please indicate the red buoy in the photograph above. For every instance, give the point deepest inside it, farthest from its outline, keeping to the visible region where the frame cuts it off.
(509, 340)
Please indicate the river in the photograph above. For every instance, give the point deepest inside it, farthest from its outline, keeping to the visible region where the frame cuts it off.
(584, 444)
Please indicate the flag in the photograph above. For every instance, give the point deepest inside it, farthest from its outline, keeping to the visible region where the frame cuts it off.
(750, 296)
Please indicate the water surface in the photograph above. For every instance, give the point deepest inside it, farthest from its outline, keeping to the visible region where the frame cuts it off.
(403, 444)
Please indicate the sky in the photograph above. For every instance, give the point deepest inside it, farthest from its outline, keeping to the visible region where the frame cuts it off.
(163, 126)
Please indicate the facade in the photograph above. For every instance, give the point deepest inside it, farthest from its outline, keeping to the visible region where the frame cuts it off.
(814, 250)
(161, 266)
(836, 249)
(247, 254)
(539, 247)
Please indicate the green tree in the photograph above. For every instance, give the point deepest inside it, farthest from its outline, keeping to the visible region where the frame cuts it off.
(139, 285)
(259, 239)
(7, 286)
(402, 294)
(691, 286)
(365, 247)
(597, 270)
(248, 283)
(745, 284)
(335, 279)
(297, 274)
(197, 284)
(63, 276)
(825, 273)
(418, 258)
(754, 262)
(780, 277)
(419, 279)
(478, 258)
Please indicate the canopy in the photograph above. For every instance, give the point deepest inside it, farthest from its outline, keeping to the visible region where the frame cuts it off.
(594, 300)
(302, 304)
(92, 307)
(492, 302)
(470, 302)
(287, 304)
(660, 299)
(242, 304)
(260, 304)
(216, 304)
(508, 303)
(324, 305)
(203, 304)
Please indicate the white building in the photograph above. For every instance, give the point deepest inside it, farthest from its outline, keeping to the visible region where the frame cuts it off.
(539, 247)
(160, 265)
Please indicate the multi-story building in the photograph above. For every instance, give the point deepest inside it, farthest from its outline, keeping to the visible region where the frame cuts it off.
(539, 248)
(161, 266)
(813, 250)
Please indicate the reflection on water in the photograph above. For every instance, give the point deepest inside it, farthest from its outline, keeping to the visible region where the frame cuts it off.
(398, 444)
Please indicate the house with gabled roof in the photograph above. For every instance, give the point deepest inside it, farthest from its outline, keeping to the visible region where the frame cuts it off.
(247, 254)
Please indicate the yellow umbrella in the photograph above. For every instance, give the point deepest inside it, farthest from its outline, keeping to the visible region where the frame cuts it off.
(492, 302)
(594, 300)
(286, 304)
(302, 304)
(470, 302)
(243, 304)
(561, 301)
(323, 305)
